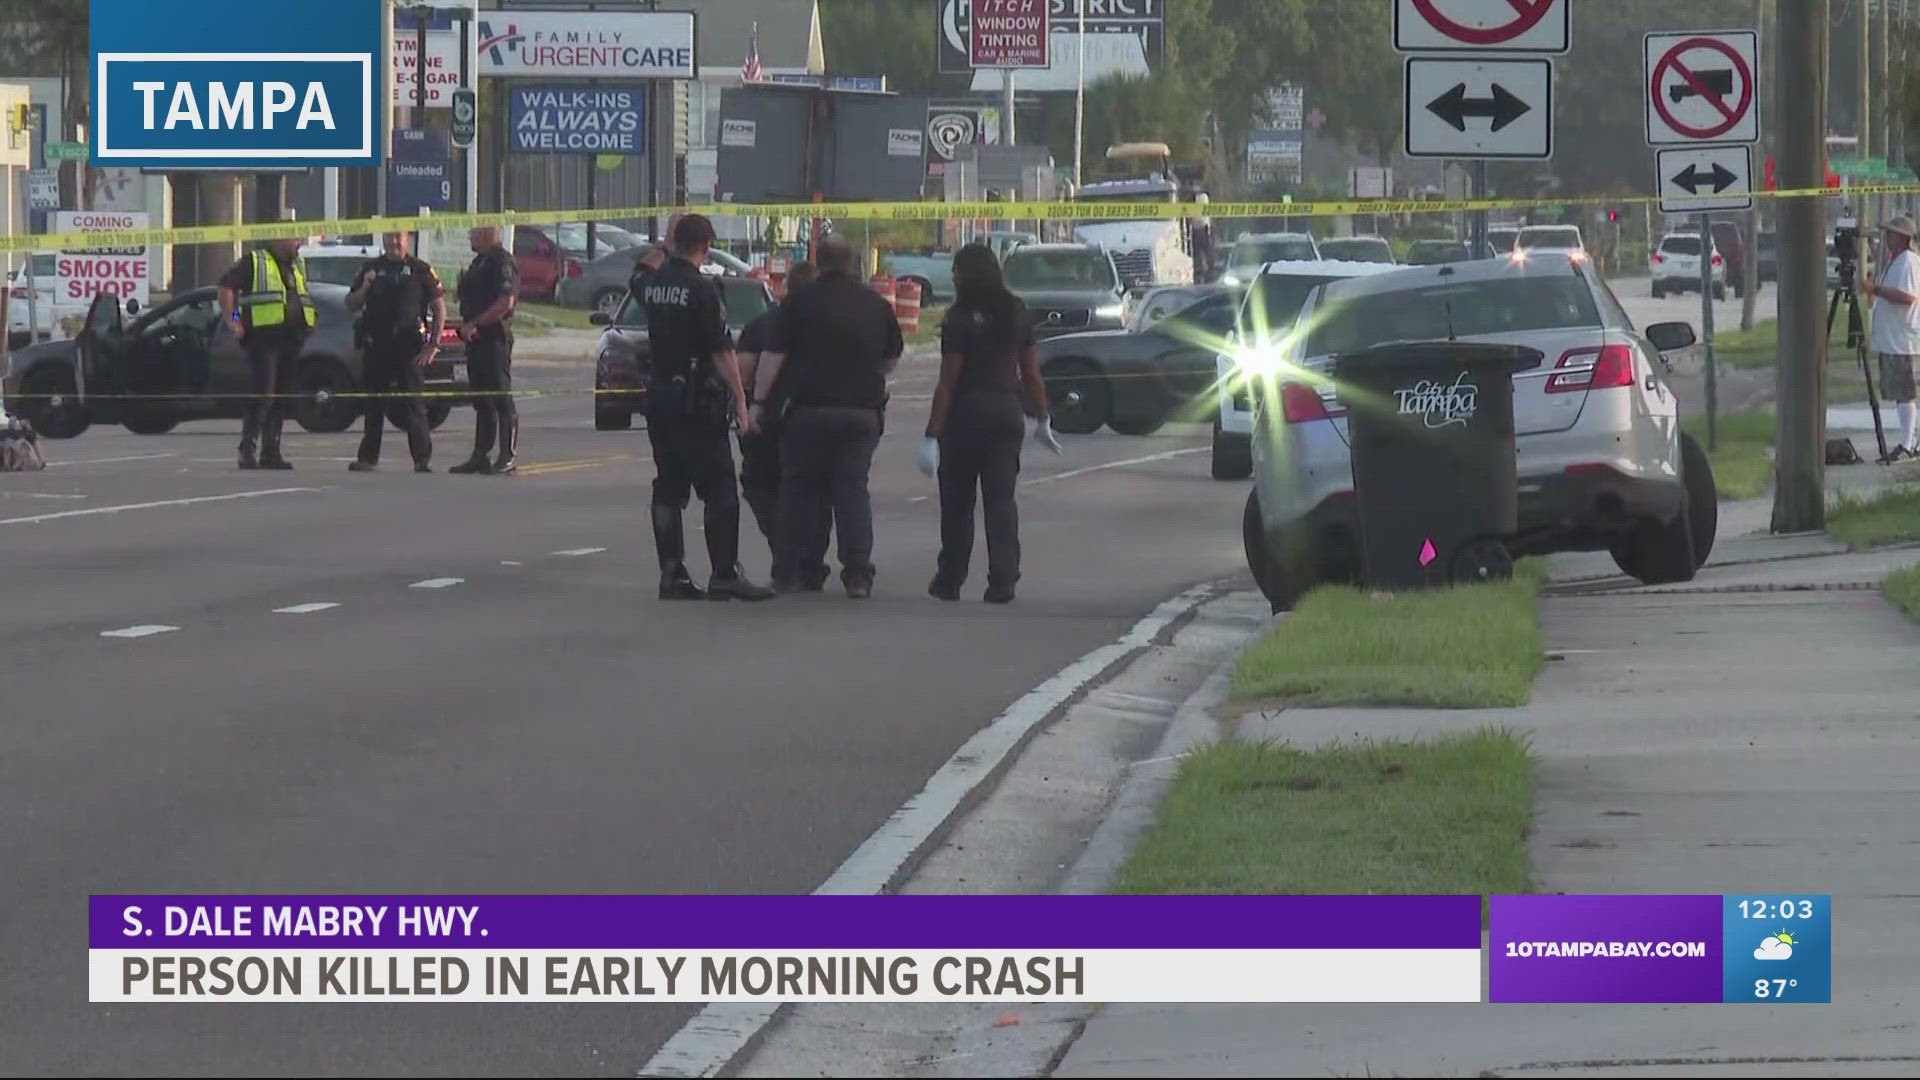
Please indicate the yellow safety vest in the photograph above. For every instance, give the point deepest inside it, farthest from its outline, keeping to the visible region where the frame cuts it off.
(266, 304)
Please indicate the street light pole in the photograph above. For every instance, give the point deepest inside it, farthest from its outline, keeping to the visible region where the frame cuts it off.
(1799, 498)
(1080, 99)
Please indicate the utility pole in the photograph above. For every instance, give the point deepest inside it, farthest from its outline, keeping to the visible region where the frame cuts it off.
(1799, 498)
(1882, 78)
(1750, 258)
(385, 91)
(1006, 107)
(1864, 125)
(1080, 101)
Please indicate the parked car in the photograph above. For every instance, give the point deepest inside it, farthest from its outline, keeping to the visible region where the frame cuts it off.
(932, 271)
(152, 370)
(1255, 250)
(1268, 310)
(572, 238)
(1501, 237)
(337, 264)
(1768, 268)
(45, 308)
(1435, 252)
(1675, 266)
(601, 285)
(1551, 240)
(1066, 287)
(543, 263)
(1136, 378)
(1373, 249)
(623, 355)
(1603, 464)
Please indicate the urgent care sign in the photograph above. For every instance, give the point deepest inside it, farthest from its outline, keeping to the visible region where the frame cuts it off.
(80, 275)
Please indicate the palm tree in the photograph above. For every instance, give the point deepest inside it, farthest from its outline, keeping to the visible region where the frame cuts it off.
(49, 37)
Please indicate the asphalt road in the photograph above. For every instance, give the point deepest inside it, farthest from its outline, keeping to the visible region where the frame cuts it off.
(543, 725)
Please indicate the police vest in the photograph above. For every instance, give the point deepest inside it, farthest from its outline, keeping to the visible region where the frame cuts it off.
(266, 304)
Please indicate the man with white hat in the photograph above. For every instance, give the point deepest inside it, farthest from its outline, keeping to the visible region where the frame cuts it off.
(1895, 332)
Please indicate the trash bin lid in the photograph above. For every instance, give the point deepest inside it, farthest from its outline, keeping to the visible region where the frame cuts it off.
(1389, 360)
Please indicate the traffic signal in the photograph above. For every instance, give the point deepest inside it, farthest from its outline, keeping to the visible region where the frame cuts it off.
(19, 119)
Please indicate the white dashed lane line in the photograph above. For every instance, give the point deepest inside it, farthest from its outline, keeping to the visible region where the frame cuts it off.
(200, 500)
(107, 460)
(138, 631)
(509, 562)
(436, 583)
(303, 609)
(575, 553)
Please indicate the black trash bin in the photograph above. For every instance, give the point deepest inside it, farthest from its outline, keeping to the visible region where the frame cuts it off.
(1430, 425)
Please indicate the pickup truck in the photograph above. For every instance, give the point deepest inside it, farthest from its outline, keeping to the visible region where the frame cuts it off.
(933, 272)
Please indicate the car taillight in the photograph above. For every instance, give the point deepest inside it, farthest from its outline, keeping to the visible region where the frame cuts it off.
(573, 268)
(1300, 404)
(1659, 258)
(1592, 369)
(1716, 260)
(449, 335)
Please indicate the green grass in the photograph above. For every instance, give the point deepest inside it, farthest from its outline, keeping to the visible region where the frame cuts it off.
(1467, 647)
(1888, 517)
(929, 325)
(1741, 469)
(1903, 588)
(1448, 815)
(1760, 346)
(565, 318)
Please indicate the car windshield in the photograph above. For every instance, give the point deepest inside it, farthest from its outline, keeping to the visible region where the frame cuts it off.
(1681, 245)
(611, 237)
(1426, 252)
(1262, 252)
(1082, 270)
(1501, 239)
(1567, 237)
(1357, 249)
(1468, 309)
(745, 300)
(1276, 301)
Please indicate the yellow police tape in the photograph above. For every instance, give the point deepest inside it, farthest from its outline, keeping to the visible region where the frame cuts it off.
(876, 211)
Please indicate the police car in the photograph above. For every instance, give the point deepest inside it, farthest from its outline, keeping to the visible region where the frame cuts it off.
(1273, 300)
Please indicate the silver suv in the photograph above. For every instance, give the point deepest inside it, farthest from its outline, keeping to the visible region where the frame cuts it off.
(1603, 464)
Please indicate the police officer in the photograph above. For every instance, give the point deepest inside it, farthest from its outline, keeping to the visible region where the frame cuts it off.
(760, 449)
(841, 341)
(264, 302)
(402, 307)
(488, 290)
(693, 392)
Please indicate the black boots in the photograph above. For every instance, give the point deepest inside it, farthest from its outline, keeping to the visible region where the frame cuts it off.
(505, 464)
(670, 539)
(484, 426)
(729, 581)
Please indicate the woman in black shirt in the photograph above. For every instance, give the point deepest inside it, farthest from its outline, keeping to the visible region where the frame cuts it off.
(975, 429)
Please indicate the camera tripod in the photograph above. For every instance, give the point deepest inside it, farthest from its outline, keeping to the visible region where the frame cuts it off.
(1857, 340)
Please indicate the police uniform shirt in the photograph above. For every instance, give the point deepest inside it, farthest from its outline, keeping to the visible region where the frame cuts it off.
(400, 293)
(491, 275)
(837, 336)
(658, 256)
(989, 351)
(686, 320)
(239, 278)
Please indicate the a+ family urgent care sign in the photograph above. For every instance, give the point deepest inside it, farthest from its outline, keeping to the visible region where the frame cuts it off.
(80, 275)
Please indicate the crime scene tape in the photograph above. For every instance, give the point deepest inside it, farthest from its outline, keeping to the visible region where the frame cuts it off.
(876, 211)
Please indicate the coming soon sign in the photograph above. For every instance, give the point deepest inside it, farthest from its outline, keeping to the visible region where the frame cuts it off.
(80, 275)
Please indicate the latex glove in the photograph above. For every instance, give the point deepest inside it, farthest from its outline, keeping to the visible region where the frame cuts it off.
(1043, 434)
(930, 456)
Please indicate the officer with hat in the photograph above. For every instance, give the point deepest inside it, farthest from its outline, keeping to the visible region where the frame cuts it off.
(264, 302)
(403, 307)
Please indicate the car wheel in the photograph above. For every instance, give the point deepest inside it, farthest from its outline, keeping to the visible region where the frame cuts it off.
(609, 300)
(612, 420)
(926, 289)
(1658, 292)
(1232, 455)
(52, 404)
(1719, 292)
(322, 406)
(1270, 573)
(1703, 497)
(1658, 554)
(437, 415)
(1138, 426)
(1077, 397)
(151, 425)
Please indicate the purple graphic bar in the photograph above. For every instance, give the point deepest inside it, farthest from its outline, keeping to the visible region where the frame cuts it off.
(1053, 923)
(1605, 949)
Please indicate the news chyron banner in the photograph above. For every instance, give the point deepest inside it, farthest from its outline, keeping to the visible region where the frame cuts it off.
(785, 948)
(1770, 949)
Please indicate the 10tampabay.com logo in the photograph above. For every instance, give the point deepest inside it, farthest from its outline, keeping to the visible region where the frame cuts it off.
(177, 84)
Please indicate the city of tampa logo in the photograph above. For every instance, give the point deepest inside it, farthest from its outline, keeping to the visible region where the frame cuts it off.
(226, 107)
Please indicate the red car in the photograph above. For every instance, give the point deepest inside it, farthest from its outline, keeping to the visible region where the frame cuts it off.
(542, 261)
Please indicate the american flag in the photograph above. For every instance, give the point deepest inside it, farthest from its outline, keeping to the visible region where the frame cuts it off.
(750, 71)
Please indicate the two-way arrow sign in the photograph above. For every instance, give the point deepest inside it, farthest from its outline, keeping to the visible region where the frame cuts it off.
(1455, 106)
(1468, 108)
(1701, 178)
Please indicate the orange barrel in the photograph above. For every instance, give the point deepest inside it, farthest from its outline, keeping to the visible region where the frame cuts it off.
(883, 284)
(906, 307)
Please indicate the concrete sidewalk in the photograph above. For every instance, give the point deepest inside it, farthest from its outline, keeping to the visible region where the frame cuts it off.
(1699, 743)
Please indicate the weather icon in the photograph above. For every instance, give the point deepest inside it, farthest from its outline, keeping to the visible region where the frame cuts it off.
(1777, 947)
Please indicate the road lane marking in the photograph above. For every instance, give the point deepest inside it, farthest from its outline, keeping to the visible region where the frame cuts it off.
(1071, 473)
(195, 501)
(436, 583)
(36, 495)
(545, 467)
(107, 460)
(139, 631)
(722, 1032)
(509, 562)
(919, 498)
(303, 609)
(574, 553)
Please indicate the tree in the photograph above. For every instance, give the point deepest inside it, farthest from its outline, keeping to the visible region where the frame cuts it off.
(895, 38)
(49, 37)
